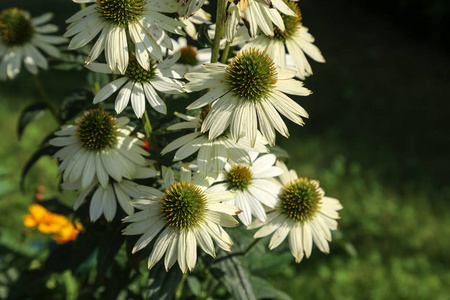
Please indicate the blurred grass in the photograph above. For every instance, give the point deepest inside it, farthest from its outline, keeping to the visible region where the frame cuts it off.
(376, 141)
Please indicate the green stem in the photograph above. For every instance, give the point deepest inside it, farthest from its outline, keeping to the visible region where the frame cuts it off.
(180, 287)
(224, 57)
(250, 247)
(148, 130)
(83, 5)
(46, 100)
(220, 27)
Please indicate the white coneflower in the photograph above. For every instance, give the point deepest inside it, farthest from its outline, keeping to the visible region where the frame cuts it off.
(295, 38)
(303, 213)
(184, 215)
(248, 91)
(251, 185)
(20, 38)
(114, 20)
(97, 147)
(212, 153)
(104, 199)
(256, 14)
(138, 85)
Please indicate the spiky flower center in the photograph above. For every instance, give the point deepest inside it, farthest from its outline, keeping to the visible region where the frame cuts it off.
(300, 199)
(188, 56)
(291, 23)
(239, 178)
(137, 73)
(97, 130)
(183, 205)
(251, 75)
(16, 27)
(121, 12)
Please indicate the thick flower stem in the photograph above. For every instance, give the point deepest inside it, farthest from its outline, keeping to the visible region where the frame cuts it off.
(223, 58)
(220, 26)
(46, 100)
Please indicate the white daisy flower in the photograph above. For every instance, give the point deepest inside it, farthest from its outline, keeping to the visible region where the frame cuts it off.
(114, 20)
(297, 40)
(256, 14)
(20, 38)
(97, 147)
(138, 85)
(303, 213)
(104, 199)
(248, 91)
(212, 153)
(252, 186)
(184, 215)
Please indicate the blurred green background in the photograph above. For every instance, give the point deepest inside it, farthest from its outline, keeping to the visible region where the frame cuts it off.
(377, 140)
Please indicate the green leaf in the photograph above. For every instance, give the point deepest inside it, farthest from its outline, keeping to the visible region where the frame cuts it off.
(231, 273)
(265, 290)
(194, 284)
(30, 113)
(46, 150)
(203, 38)
(162, 285)
(280, 153)
(74, 104)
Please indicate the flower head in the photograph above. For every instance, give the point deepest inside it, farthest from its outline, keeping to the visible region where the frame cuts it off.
(20, 38)
(96, 148)
(47, 222)
(185, 214)
(303, 213)
(251, 183)
(118, 21)
(256, 14)
(295, 38)
(246, 92)
(138, 84)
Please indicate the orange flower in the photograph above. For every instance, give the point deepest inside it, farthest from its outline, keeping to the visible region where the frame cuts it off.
(47, 222)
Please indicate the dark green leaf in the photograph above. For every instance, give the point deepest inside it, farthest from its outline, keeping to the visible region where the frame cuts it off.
(203, 38)
(74, 104)
(30, 113)
(46, 150)
(264, 290)
(162, 285)
(230, 272)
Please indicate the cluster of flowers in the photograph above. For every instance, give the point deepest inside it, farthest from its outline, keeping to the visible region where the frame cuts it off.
(239, 113)
(45, 221)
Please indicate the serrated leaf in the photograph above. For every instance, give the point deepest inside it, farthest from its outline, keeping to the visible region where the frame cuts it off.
(46, 150)
(231, 273)
(203, 37)
(264, 290)
(162, 285)
(30, 113)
